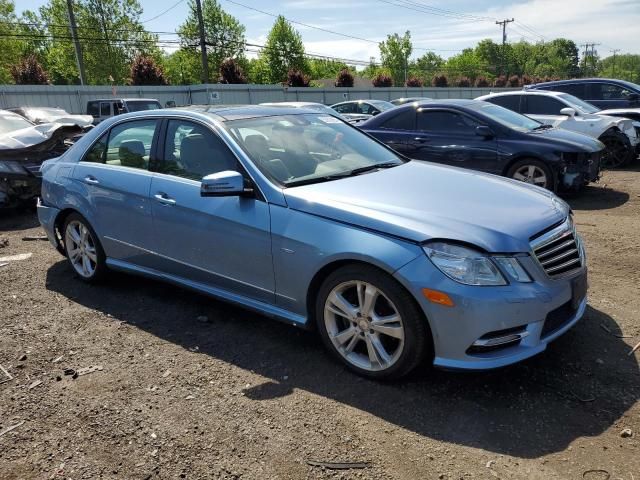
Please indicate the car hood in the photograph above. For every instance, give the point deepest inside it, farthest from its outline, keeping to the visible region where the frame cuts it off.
(68, 119)
(419, 201)
(578, 142)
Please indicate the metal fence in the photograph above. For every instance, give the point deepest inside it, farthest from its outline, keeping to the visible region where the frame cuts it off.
(74, 98)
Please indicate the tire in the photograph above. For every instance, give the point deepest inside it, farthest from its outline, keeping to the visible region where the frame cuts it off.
(362, 340)
(83, 249)
(533, 172)
(618, 150)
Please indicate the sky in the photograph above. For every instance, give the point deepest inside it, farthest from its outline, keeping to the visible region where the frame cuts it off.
(443, 26)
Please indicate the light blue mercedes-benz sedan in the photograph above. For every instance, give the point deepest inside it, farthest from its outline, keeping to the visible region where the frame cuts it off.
(299, 216)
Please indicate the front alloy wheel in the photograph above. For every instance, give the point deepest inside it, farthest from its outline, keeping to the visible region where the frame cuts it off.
(364, 326)
(531, 174)
(371, 323)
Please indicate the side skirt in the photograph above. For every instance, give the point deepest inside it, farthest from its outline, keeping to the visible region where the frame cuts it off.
(220, 294)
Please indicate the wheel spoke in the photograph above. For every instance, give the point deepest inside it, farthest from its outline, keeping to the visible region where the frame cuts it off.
(377, 354)
(85, 265)
(340, 306)
(83, 233)
(367, 296)
(346, 335)
(91, 253)
(75, 235)
(391, 331)
(519, 176)
(73, 254)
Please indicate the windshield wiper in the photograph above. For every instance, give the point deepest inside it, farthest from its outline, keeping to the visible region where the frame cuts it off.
(335, 176)
(544, 126)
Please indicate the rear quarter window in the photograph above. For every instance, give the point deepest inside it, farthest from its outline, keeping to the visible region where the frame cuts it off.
(92, 109)
(402, 121)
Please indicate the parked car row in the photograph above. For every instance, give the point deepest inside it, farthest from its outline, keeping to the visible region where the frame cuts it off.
(298, 215)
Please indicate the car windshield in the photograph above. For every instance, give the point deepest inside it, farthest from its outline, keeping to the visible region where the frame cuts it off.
(507, 117)
(137, 105)
(578, 104)
(10, 123)
(308, 148)
(382, 105)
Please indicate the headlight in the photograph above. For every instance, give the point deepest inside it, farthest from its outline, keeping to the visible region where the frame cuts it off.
(463, 264)
(512, 267)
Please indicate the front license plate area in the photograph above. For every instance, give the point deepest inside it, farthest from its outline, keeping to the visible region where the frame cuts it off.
(579, 287)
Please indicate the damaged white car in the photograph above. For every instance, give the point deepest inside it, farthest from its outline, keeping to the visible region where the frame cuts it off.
(23, 148)
(40, 115)
(570, 113)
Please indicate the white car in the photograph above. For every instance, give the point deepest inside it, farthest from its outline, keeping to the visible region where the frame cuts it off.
(570, 113)
(320, 107)
(356, 111)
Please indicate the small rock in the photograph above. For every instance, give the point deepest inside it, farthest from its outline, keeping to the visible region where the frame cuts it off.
(626, 433)
(189, 397)
(4, 242)
(154, 436)
(599, 361)
(23, 357)
(490, 463)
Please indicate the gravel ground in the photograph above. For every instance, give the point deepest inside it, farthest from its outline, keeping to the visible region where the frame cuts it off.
(193, 388)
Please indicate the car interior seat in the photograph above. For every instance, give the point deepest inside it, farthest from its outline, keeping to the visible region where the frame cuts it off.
(258, 148)
(201, 156)
(131, 154)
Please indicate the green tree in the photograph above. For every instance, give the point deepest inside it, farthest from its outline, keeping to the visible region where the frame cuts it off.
(283, 51)
(182, 67)
(466, 64)
(224, 35)
(625, 67)
(12, 47)
(320, 68)
(395, 52)
(426, 66)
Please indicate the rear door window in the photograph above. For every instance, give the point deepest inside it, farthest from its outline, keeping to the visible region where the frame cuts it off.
(345, 108)
(512, 102)
(129, 144)
(441, 121)
(575, 89)
(403, 121)
(542, 105)
(608, 91)
(93, 109)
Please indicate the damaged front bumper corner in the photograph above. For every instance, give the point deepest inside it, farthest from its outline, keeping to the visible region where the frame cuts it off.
(579, 170)
(19, 183)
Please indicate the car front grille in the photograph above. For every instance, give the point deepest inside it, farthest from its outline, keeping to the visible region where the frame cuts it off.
(559, 251)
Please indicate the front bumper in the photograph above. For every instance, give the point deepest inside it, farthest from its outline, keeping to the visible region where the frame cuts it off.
(580, 169)
(491, 312)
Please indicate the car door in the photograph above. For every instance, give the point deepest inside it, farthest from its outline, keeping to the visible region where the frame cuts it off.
(449, 137)
(222, 242)
(397, 131)
(608, 95)
(115, 178)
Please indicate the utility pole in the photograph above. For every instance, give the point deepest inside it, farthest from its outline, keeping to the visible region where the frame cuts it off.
(589, 52)
(74, 35)
(504, 37)
(203, 46)
(615, 50)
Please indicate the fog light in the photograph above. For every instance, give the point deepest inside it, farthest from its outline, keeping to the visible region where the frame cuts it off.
(437, 297)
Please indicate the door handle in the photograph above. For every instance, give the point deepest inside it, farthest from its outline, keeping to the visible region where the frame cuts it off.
(91, 180)
(164, 199)
(421, 139)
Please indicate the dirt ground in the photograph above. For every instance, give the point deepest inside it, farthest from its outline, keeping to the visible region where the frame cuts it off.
(235, 395)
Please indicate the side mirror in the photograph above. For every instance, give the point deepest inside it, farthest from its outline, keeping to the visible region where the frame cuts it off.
(375, 112)
(224, 184)
(568, 111)
(633, 97)
(484, 131)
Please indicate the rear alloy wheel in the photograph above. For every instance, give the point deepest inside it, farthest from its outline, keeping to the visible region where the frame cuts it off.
(83, 249)
(533, 172)
(618, 150)
(370, 322)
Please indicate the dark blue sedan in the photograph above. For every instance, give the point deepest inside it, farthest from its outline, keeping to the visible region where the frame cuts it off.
(486, 137)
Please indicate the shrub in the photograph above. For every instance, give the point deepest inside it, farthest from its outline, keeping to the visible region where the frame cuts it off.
(514, 81)
(527, 80)
(231, 72)
(344, 78)
(482, 82)
(500, 81)
(440, 81)
(414, 82)
(145, 71)
(463, 82)
(382, 80)
(29, 72)
(296, 78)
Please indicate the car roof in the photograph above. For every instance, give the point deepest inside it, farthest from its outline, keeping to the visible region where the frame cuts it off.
(237, 112)
(549, 93)
(121, 99)
(442, 102)
(290, 104)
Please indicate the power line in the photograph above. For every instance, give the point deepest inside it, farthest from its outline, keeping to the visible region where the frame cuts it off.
(333, 32)
(422, 8)
(163, 12)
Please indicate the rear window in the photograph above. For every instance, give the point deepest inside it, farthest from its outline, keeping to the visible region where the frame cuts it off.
(138, 106)
(512, 102)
